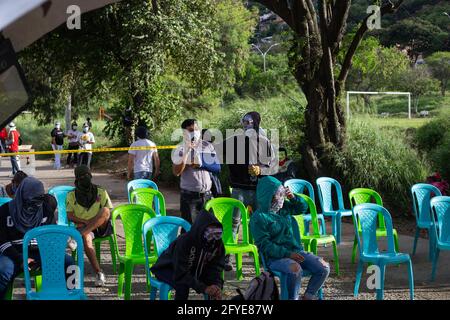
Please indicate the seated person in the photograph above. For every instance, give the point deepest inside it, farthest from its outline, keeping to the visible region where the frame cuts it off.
(195, 260)
(89, 207)
(30, 208)
(272, 231)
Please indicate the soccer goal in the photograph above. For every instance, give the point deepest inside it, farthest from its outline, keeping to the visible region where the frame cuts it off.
(381, 93)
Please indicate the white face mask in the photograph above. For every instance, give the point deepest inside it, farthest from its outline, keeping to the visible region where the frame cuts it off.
(85, 129)
(58, 126)
(195, 135)
(74, 128)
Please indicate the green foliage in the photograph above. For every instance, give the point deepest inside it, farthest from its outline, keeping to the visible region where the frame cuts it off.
(380, 160)
(439, 64)
(440, 157)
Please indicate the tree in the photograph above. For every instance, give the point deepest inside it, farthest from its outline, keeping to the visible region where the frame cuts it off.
(417, 81)
(319, 27)
(439, 64)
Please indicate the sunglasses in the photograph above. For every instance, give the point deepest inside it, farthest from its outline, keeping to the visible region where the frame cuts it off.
(213, 236)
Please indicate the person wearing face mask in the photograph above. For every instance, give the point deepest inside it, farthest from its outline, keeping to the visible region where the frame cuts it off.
(89, 207)
(74, 144)
(252, 156)
(86, 141)
(57, 135)
(192, 162)
(194, 260)
(30, 208)
(271, 228)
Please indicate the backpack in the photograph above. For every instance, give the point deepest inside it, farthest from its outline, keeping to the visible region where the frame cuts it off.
(262, 287)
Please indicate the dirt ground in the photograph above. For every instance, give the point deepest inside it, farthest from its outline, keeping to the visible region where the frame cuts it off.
(336, 287)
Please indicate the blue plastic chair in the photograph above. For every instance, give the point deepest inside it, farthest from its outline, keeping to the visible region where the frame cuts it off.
(4, 200)
(52, 243)
(325, 187)
(440, 207)
(299, 186)
(282, 276)
(421, 194)
(367, 216)
(60, 193)
(143, 183)
(164, 231)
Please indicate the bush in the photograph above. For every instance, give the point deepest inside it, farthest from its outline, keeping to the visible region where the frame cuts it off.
(440, 157)
(432, 134)
(377, 159)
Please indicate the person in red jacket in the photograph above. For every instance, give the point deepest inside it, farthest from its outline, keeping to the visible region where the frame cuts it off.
(3, 137)
(12, 144)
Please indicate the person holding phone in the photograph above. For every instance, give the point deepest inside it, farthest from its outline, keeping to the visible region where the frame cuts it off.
(271, 228)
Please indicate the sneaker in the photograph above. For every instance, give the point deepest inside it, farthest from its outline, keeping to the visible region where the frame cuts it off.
(72, 244)
(100, 279)
(228, 265)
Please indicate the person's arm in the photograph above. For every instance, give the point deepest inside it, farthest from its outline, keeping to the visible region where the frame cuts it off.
(91, 139)
(294, 206)
(131, 157)
(6, 246)
(71, 216)
(263, 240)
(53, 135)
(178, 169)
(157, 164)
(213, 270)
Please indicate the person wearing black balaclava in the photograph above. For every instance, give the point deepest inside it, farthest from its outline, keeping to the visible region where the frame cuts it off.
(194, 260)
(252, 156)
(89, 207)
(30, 208)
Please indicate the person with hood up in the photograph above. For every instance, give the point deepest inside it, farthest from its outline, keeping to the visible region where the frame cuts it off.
(30, 208)
(272, 231)
(194, 260)
(89, 207)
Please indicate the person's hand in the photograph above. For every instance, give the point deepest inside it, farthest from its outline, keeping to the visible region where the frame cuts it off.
(297, 257)
(254, 170)
(289, 193)
(30, 261)
(214, 292)
(195, 165)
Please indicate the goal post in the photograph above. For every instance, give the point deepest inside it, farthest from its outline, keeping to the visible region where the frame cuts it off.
(373, 93)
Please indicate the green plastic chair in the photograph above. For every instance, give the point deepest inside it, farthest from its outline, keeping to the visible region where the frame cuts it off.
(133, 217)
(314, 239)
(37, 283)
(223, 210)
(365, 195)
(145, 196)
(98, 243)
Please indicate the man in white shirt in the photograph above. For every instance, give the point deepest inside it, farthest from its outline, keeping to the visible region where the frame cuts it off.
(74, 144)
(86, 140)
(140, 162)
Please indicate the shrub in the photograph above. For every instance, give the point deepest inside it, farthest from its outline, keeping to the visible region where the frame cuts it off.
(432, 134)
(377, 159)
(440, 157)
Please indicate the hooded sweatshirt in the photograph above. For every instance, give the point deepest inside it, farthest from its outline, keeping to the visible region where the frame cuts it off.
(190, 261)
(272, 231)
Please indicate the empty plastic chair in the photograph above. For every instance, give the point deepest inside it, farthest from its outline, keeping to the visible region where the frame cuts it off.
(60, 193)
(52, 243)
(325, 188)
(151, 198)
(299, 186)
(133, 217)
(364, 195)
(421, 195)
(440, 213)
(164, 231)
(366, 215)
(223, 210)
(142, 183)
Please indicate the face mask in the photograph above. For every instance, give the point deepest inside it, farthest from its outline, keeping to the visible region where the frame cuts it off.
(195, 135)
(84, 182)
(247, 122)
(74, 127)
(58, 126)
(85, 129)
(278, 200)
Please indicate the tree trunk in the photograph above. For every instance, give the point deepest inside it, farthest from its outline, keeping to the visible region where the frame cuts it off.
(68, 112)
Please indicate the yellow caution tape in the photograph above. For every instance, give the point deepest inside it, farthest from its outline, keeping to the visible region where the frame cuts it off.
(81, 151)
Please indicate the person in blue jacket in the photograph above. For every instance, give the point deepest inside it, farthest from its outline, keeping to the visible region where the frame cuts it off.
(271, 228)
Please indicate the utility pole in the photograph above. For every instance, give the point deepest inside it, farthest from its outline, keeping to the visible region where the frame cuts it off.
(264, 53)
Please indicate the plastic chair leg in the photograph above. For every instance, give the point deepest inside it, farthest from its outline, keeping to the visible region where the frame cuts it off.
(284, 288)
(113, 254)
(239, 266)
(338, 229)
(380, 291)
(416, 237)
(334, 226)
(256, 262)
(396, 241)
(314, 246)
(410, 280)
(323, 226)
(359, 271)
(435, 261)
(431, 244)
(336, 258)
(128, 274)
(164, 293)
(355, 247)
(38, 282)
(320, 294)
(98, 245)
(153, 293)
(9, 291)
(121, 279)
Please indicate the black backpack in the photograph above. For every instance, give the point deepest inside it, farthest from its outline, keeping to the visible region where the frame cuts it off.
(262, 287)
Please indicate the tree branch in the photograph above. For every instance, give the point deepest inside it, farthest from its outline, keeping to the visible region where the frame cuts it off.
(386, 9)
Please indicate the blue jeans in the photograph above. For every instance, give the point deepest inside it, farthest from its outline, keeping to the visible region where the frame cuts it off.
(8, 270)
(248, 197)
(143, 175)
(313, 264)
(15, 164)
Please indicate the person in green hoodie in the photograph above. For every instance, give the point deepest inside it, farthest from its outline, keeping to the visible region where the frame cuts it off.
(272, 231)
